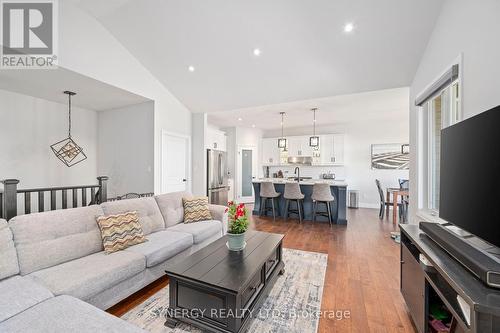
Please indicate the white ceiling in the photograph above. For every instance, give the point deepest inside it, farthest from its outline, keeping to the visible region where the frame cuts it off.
(305, 52)
(376, 105)
(49, 84)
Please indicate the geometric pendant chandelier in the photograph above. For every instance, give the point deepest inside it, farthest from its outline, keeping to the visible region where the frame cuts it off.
(67, 150)
(282, 141)
(314, 139)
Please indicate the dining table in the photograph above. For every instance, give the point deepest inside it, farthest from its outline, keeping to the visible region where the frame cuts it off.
(396, 193)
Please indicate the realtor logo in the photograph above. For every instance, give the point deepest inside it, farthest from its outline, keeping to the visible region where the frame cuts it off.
(29, 34)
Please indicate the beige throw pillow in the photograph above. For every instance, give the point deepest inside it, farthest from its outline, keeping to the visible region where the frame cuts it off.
(120, 231)
(196, 209)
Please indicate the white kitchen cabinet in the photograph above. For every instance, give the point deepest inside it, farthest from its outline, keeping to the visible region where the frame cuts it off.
(270, 151)
(326, 149)
(332, 149)
(294, 146)
(215, 139)
(338, 148)
(299, 146)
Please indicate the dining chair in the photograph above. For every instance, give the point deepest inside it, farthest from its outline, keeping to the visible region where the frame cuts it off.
(404, 184)
(383, 202)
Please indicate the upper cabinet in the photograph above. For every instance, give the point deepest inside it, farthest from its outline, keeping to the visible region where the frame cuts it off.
(299, 146)
(330, 151)
(270, 152)
(215, 139)
(338, 149)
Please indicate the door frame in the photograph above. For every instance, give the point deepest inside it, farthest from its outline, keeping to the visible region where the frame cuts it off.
(255, 165)
(188, 158)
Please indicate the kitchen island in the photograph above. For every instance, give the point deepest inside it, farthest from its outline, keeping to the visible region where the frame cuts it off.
(338, 188)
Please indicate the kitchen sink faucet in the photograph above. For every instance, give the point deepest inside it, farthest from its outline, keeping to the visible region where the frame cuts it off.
(297, 171)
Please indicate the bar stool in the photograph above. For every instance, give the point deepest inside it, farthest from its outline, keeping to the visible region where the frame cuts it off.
(293, 193)
(267, 191)
(322, 194)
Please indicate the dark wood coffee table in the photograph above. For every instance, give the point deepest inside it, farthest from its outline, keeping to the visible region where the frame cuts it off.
(219, 290)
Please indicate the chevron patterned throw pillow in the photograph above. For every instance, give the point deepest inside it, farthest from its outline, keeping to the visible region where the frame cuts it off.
(120, 231)
(196, 209)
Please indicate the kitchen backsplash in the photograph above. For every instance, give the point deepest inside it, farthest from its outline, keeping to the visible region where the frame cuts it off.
(309, 171)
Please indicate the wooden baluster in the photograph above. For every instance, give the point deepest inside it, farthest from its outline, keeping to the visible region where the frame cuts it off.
(84, 197)
(92, 194)
(53, 199)
(64, 199)
(41, 202)
(27, 203)
(75, 198)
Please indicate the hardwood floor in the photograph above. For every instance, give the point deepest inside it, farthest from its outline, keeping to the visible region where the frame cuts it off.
(362, 275)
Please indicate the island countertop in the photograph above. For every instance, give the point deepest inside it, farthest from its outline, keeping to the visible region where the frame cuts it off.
(332, 182)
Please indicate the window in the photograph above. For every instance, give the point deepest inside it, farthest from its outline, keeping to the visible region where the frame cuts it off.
(442, 111)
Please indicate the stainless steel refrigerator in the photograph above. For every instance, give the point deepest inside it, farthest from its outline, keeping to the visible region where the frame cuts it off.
(217, 177)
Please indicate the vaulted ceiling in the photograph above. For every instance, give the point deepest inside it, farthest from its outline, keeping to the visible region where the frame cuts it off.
(304, 51)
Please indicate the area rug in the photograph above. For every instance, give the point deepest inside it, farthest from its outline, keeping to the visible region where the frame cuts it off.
(292, 305)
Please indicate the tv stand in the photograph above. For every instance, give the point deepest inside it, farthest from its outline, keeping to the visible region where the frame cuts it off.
(439, 278)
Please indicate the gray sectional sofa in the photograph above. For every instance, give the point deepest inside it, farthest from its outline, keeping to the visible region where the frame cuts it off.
(55, 277)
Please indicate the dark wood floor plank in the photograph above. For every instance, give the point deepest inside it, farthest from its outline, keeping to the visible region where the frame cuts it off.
(362, 274)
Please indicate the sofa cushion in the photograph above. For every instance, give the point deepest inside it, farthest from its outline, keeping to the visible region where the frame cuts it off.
(51, 238)
(162, 245)
(196, 209)
(200, 230)
(66, 314)
(8, 255)
(149, 214)
(88, 276)
(19, 293)
(120, 231)
(171, 207)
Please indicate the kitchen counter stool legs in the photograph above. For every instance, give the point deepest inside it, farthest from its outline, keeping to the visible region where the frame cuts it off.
(293, 193)
(322, 194)
(268, 191)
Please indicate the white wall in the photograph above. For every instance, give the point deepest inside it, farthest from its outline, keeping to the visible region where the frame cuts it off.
(28, 126)
(359, 136)
(470, 29)
(199, 154)
(86, 47)
(126, 148)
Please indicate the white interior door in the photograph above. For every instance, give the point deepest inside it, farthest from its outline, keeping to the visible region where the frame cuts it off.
(247, 171)
(175, 163)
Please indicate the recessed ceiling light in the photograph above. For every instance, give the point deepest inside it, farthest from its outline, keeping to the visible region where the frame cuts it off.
(349, 27)
(253, 126)
(256, 52)
(191, 68)
(240, 119)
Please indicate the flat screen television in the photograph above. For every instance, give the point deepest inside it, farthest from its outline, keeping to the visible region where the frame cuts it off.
(470, 175)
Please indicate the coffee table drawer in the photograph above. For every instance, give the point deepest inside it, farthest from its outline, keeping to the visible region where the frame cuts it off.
(272, 261)
(253, 288)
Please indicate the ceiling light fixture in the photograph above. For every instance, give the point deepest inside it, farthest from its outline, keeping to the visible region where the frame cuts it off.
(67, 150)
(282, 141)
(256, 52)
(349, 27)
(253, 126)
(191, 69)
(240, 119)
(314, 140)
